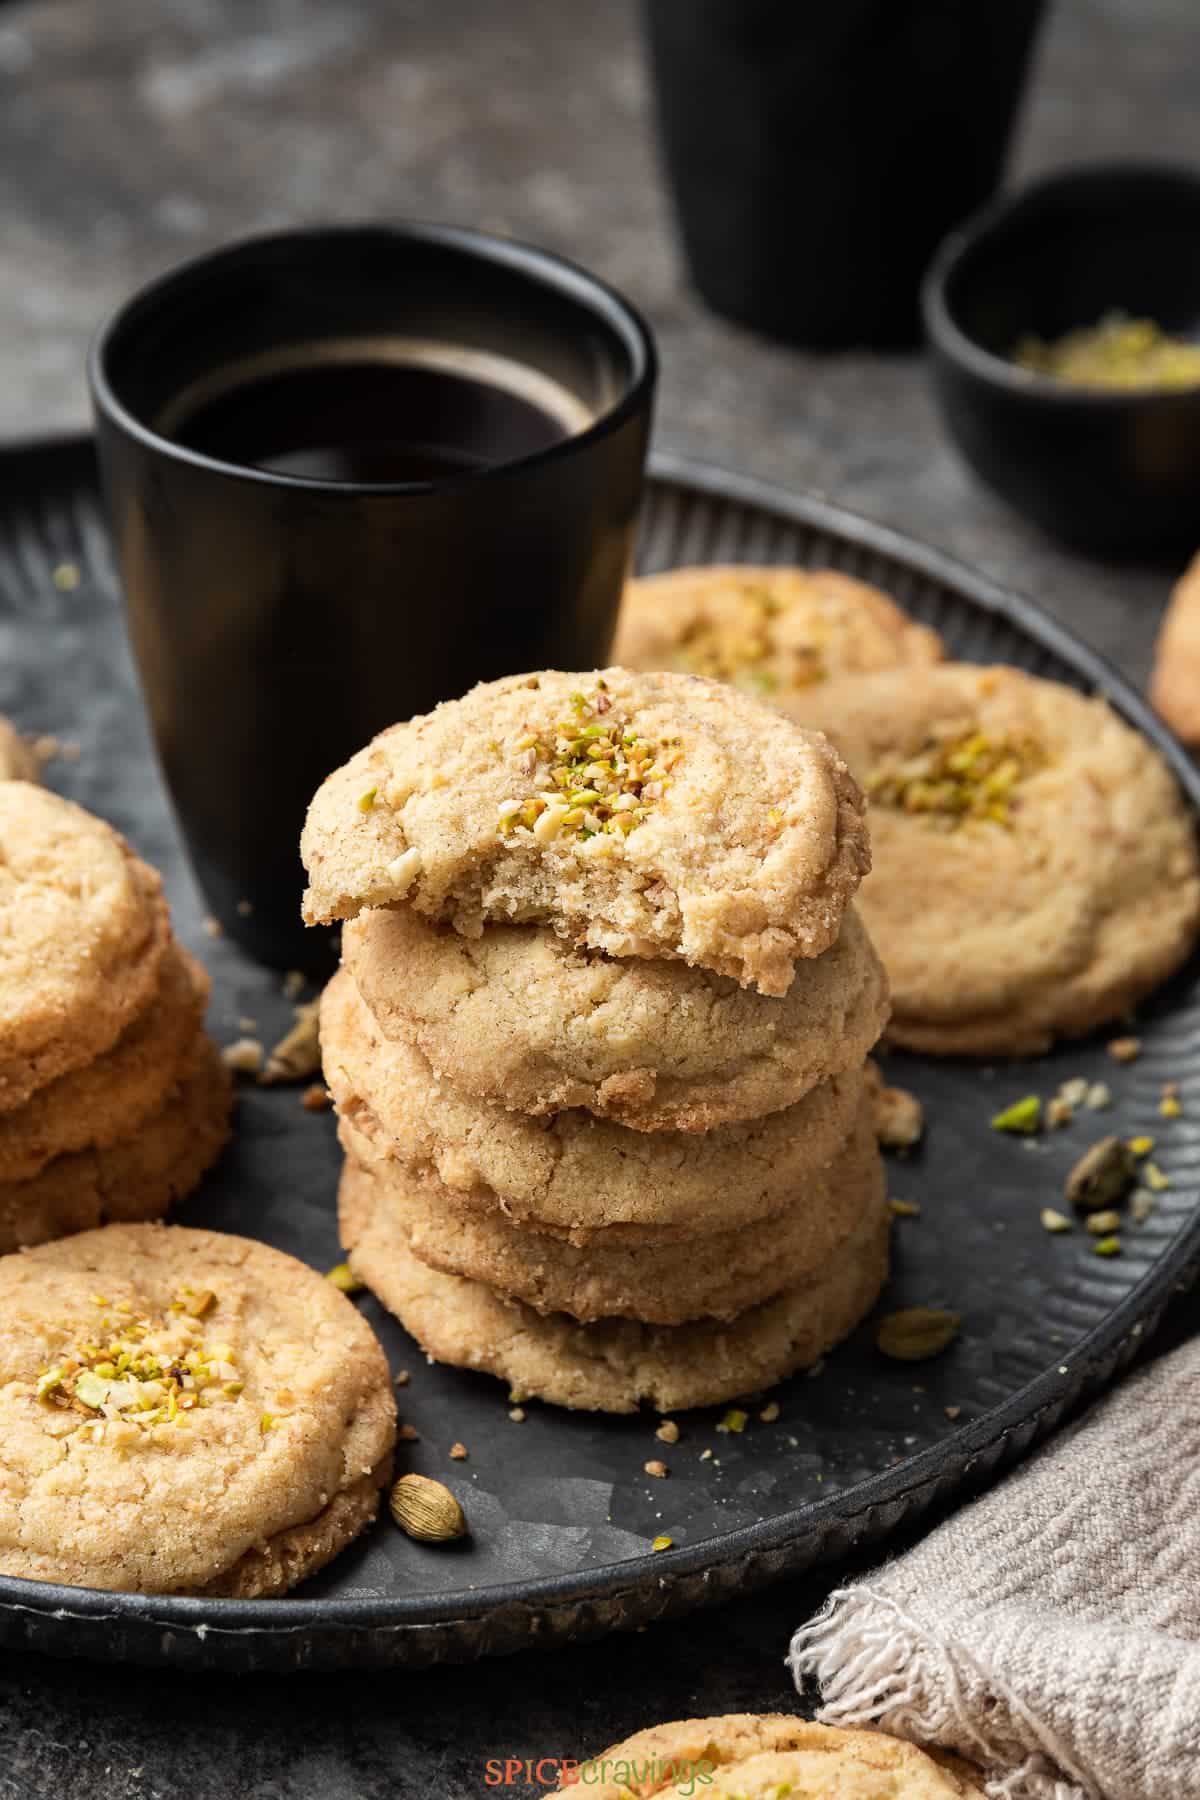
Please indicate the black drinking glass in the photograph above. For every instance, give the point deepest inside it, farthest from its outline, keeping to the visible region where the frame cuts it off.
(350, 472)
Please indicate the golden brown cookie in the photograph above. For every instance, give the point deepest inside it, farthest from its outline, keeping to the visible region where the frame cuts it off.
(522, 1018)
(17, 760)
(641, 814)
(614, 1365)
(183, 1412)
(137, 1177)
(83, 927)
(772, 631)
(770, 1756)
(573, 1172)
(1175, 682)
(1035, 865)
(109, 1098)
(714, 1275)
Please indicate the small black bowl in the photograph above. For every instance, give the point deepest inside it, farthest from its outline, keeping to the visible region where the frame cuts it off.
(1109, 471)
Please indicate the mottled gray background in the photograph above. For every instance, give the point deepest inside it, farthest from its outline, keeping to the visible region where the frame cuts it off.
(134, 133)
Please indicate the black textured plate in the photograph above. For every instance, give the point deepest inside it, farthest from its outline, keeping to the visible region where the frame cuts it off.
(562, 1514)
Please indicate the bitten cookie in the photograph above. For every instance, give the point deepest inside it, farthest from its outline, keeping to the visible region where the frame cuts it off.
(575, 1173)
(524, 1019)
(108, 1099)
(17, 760)
(183, 1412)
(713, 1275)
(135, 1177)
(644, 815)
(1035, 865)
(771, 1756)
(615, 1365)
(83, 928)
(772, 631)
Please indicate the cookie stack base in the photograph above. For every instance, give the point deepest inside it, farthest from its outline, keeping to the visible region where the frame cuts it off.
(612, 1365)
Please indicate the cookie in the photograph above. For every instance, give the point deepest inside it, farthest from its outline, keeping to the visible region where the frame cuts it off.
(644, 815)
(713, 1275)
(1035, 865)
(138, 1177)
(241, 1475)
(108, 1099)
(520, 1017)
(573, 1172)
(17, 760)
(771, 1756)
(771, 631)
(1175, 678)
(614, 1365)
(83, 927)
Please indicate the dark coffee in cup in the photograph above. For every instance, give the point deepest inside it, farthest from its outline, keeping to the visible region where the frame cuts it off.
(375, 410)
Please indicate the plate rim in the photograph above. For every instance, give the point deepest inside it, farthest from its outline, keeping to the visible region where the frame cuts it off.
(1006, 1430)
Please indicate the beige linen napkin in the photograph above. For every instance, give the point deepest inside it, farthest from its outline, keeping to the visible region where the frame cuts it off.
(1050, 1631)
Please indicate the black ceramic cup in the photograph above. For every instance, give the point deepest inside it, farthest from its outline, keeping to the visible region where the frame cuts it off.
(284, 602)
(818, 154)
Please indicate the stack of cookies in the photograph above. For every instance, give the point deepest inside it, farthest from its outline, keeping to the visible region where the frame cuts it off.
(113, 1102)
(598, 1043)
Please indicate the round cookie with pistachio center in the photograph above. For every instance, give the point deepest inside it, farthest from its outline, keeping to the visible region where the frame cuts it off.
(110, 1097)
(136, 1177)
(521, 1017)
(1035, 865)
(572, 1172)
(612, 1365)
(713, 1275)
(17, 759)
(653, 815)
(771, 631)
(83, 928)
(183, 1412)
(772, 1756)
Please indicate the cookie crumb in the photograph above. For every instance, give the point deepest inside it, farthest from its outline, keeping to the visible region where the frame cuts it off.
(245, 908)
(1125, 1049)
(770, 1412)
(1141, 1205)
(899, 1118)
(401, 1378)
(1059, 1112)
(244, 1057)
(458, 1452)
(1053, 1220)
(213, 927)
(1154, 1178)
(315, 1098)
(657, 1469)
(292, 985)
(952, 1412)
(1098, 1096)
(668, 1432)
(1102, 1224)
(1075, 1091)
(517, 1414)
(247, 1027)
(408, 1434)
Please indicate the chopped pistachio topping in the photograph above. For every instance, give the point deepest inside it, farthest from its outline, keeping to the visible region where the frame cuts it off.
(747, 651)
(960, 775)
(734, 1421)
(344, 1279)
(905, 1209)
(366, 800)
(1023, 1116)
(1141, 1146)
(1107, 1246)
(145, 1371)
(1169, 1106)
(663, 1542)
(591, 774)
(1154, 1178)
